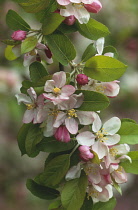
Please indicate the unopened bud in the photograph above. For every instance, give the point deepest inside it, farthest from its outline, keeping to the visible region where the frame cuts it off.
(70, 20)
(85, 153)
(19, 35)
(62, 134)
(94, 7)
(82, 79)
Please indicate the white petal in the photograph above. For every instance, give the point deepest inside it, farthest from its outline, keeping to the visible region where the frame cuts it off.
(49, 86)
(86, 138)
(85, 117)
(59, 78)
(100, 45)
(112, 126)
(100, 149)
(122, 149)
(28, 116)
(96, 126)
(23, 98)
(59, 119)
(112, 140)
(32, 93)
(74, 172)
(71, 125)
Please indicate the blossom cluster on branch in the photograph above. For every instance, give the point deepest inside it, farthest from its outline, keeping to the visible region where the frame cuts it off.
(87, 158)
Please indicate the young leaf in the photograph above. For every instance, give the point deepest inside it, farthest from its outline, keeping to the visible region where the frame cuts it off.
(15, 22)
(41, 191)
(28, 44)
(93, 29)
(128, 133)
(104, 68)
(109, 205)
(131, 167)
(55, 170)
(9, 55)
(51, 23)
(52, 145)
(61, 47)
(33, 6)
(89, 52)
(37, 71)
(73, 193)
(93, 101)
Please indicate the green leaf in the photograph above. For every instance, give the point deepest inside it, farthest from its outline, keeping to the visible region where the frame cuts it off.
(109, 205)
(15, 22)
(41, 191)
(52, 145)
(28, 44)
(11, 42)
(131, 167)
(93, 101)
(33, 137)
(112, 49)
(73, 193)
(104, 68)
(9, 55)
(117, 187)
(51, 23)
(37, 71)
(93, 29)
(128, 132)
(55, 170)
(33, 6)
(89, 52)
(54, 205)
(61, 47)
(88, 204)
(66, 29)
(22, 136)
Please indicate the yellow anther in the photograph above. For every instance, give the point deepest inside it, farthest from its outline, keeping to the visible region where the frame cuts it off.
(113, 151)
(100, 88)
(54, 112)
(71, 113)
(30, 106)
(120, 169)
(56, 90)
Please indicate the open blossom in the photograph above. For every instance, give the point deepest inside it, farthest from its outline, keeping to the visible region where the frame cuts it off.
(118, 173)
(19, 35)
(34, 106)
(57, 90)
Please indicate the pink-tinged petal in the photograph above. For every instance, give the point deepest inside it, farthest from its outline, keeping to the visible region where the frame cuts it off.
(59, 78)
(122, 149)
(28, 59)
(112, 140)
(44, 57)
(35, 116)
(22, 98)
(68, 104)
(49, 86)
(40, 100)
(100, 45)
(85, 117)
(67, 90)
(120, 175)
(96, 126)
(49, 96)
(28, 116)
(71, 125)
(41, 46)
(59, 119)
(111, 88)
(32, 93)
(49, 129)
(79, 98)
(63, 2)
(112, 126)
(86, 138)
(41, 115)
(100, 149)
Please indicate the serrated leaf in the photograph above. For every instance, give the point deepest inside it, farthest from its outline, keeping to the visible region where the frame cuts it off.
(104, 68)
(15, 22)
(73, 193)
(51, 23)
(9, 55)
(55, 170)
(37, 71)
(52, 145)
(89, 52)
(131, 167)
(41, 191)
(93, 29)
(109, 205)
(33, 6)
(93, 101)
(28, 44)
(128, 132)
(61, 47)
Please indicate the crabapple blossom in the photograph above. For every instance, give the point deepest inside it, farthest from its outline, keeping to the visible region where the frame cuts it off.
(57, 90)
(118, 173)
(94, 7)
(62, 134)
(34, 106)
(19, 35)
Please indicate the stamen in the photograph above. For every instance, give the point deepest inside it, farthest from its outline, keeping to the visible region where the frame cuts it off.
(71, 113)
(113, 151)
(56, 90)
(30, 106)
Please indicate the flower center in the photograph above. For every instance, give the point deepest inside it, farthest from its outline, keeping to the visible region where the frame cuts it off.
(71, 113)
(92, 192)
(54, 112)
(56, 90)
(113, 151)
(30, 106)
(100, 88)
(79, 4)
(101, 135)
(119, 170)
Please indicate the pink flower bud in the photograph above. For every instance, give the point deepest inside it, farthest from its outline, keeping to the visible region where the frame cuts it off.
(48, 52)
(94, 7)
(19, 35)
(62, 134)
(82, 79)
(70, 20)
(85, 153)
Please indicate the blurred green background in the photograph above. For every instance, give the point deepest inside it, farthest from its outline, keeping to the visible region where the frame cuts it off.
(122, 19)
